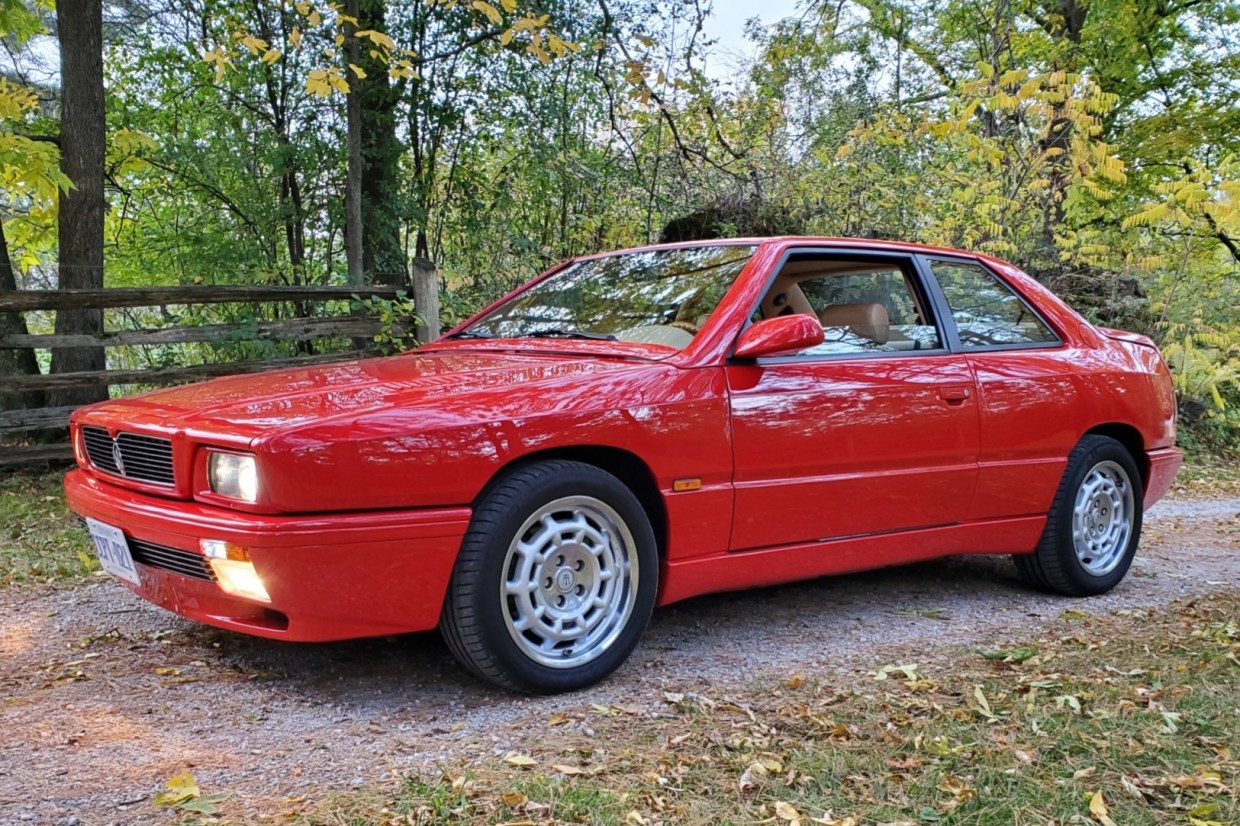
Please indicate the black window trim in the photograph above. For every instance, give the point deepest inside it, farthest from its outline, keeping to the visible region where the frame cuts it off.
(908, 262)
(925, 262)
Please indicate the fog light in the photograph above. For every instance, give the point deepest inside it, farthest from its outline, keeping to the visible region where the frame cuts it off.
(234, 570)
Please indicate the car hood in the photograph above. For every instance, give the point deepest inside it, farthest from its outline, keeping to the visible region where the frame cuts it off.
(239, 409)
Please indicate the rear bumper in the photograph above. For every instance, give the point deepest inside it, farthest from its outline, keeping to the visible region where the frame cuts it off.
(1163, 466)
(330, 576)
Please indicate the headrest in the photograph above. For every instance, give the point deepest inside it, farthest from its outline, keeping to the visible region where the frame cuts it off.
(865, 320)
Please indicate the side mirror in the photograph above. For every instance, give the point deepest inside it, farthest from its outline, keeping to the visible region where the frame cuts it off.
(782, 334)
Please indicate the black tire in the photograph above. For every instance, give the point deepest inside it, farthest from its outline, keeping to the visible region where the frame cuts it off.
(1056, 565)
(480, 619)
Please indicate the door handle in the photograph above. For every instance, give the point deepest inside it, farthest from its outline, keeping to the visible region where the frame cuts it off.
(955, 394)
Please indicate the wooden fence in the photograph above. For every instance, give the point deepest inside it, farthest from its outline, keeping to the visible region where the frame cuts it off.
(339, 325)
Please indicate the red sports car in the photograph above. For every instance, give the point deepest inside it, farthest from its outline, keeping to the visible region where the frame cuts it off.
(632, 429)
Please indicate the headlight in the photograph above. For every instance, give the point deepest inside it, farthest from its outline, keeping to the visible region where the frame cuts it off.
(233, 475)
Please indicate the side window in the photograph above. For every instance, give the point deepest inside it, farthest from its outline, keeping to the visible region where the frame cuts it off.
(864, 307)
(985, 310)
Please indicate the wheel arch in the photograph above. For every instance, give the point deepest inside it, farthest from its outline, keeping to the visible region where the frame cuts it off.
(1130, 437)
(625, 465)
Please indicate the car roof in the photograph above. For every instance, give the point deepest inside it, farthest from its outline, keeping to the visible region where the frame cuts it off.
(793, 240)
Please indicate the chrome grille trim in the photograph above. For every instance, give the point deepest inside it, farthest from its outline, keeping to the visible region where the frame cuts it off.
(141, 458)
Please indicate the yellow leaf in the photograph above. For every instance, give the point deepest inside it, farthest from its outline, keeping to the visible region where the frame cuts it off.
(253, 44)
(557, 719)
(167, 671)
(567, 771)
(179, 788)
(1098, 809)
(521, 760)
(510, 6)
(315, 18)
(294, 37)
(378, 38)
(786, 811)
(752, 774)
(487, 9)
(271, 56)
(983, 704)
(514, 798)
(357, 70)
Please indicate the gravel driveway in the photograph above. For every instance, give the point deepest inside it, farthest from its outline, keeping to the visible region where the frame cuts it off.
(106, 697)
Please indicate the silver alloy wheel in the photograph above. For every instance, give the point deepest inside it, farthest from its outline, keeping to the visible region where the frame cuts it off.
(1102, 518)
(570, 581)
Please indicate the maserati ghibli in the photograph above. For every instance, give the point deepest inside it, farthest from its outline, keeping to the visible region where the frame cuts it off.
(632, 429)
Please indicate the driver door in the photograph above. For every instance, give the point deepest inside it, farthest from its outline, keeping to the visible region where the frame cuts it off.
(874, 431)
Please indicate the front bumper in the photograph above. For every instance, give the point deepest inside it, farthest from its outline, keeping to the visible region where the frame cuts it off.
(330, 576)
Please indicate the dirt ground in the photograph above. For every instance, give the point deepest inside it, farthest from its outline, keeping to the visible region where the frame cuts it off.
(105, 697)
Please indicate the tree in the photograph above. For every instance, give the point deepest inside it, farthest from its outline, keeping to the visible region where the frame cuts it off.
(14, 362)
(29, 181)
(81, 213)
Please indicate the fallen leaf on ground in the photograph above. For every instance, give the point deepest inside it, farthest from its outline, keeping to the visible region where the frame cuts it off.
(1098, 809)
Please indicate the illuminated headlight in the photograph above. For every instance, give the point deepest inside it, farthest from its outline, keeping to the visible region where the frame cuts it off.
(233, 475)
(233, 569)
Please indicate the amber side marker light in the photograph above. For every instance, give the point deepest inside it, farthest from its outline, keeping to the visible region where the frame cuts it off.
(234, 570)
(685, 485)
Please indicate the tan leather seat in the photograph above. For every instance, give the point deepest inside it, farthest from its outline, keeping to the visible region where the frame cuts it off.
(865, 320)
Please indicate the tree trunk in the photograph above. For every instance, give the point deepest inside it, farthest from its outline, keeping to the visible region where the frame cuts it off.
(80, 218)
(353, 176)
(382, 253)
(15, 362)
(426, 299)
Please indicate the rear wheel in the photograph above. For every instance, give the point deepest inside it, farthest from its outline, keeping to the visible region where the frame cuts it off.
(555, 581)
(1094, 523)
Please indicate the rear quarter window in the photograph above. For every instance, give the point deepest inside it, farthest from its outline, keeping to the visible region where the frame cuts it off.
(986, 311)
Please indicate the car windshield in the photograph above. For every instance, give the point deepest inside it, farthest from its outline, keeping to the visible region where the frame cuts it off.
(652, 297)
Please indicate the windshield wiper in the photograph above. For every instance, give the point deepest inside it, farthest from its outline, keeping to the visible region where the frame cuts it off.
(470, 334)
(557, 332)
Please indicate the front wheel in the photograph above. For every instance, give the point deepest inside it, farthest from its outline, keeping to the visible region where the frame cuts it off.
(555, 581)
(1094, 523)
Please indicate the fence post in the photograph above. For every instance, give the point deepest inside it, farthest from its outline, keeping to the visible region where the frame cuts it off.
(426, 299)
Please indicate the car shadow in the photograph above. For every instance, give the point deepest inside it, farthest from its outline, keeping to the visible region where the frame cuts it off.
(941, 596)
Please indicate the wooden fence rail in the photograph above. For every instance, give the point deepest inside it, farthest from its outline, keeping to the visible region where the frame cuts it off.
(344, 327)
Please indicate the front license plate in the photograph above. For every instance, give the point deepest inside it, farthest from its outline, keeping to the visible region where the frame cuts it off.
(113, 550)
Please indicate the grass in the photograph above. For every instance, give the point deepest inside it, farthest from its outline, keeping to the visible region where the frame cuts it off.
(1130, 719)
(40, 541)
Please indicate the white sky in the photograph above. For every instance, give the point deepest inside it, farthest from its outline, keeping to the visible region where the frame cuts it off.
(727, 25)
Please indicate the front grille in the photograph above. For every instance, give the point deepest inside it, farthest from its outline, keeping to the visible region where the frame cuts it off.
(185, 563)
(130, 455)
(180, 562)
